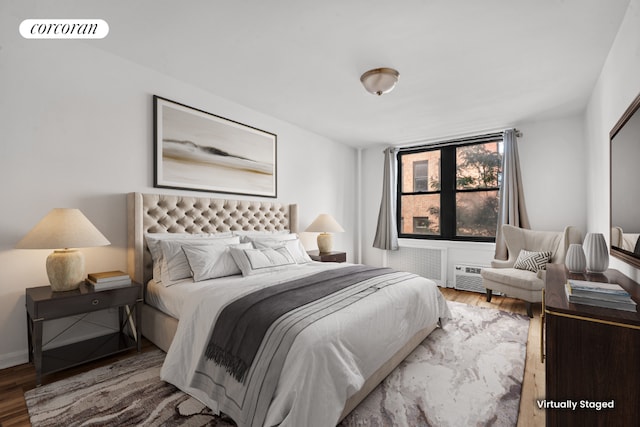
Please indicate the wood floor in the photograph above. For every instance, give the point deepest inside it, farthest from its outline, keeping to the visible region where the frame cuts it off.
(18, 379)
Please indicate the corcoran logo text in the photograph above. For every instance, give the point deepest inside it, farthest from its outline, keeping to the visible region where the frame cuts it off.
(64, 29)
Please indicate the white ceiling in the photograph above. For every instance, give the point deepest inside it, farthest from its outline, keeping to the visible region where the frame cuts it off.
(465, 65)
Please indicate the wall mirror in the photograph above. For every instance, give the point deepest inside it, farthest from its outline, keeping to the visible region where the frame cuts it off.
(625, 186)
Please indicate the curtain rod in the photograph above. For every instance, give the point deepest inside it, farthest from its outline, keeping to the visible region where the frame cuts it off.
(452, 140)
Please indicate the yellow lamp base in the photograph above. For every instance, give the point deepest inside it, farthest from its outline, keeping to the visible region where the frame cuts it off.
(65, 268)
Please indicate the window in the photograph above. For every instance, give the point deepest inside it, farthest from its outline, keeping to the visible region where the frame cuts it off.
(450, 190)
(421, 175)
(421, 225)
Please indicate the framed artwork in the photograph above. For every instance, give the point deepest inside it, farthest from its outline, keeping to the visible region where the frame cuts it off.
(196, 150)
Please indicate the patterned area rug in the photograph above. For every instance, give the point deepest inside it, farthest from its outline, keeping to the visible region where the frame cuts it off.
(467, 373)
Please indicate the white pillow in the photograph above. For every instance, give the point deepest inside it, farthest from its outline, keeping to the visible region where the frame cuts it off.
(174, 263)
(252, 237)
(153, 243)
(253, 261)
(294, 246)
(254, 233)
(212, 261)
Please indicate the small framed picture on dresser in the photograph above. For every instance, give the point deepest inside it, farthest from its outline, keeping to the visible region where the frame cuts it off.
(197, 150)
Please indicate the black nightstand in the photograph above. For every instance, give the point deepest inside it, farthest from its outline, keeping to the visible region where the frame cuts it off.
(44, 304)
(332, 256)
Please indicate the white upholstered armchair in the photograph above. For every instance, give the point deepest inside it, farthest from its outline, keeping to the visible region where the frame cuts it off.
(522, 274)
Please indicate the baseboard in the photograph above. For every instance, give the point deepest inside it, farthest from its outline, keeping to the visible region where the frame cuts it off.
(16, 358)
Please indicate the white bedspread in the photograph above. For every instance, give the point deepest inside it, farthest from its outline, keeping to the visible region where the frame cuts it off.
(330, 360)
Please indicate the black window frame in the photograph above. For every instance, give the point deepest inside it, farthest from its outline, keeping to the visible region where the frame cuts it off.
(447, 191)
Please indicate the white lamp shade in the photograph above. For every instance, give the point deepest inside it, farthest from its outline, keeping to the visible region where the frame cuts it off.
(63, 228)
(380, 80)
(325, 223)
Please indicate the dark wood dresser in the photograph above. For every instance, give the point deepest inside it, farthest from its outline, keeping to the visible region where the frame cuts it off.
(592, 356)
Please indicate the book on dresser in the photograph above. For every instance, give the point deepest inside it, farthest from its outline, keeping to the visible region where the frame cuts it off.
(607, 295)
(108, 280)
(597, 287)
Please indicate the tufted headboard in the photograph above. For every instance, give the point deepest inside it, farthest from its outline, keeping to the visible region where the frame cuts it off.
(157, 213)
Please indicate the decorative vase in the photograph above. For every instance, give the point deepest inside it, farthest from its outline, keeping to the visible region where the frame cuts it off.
(597, 253)
(575, 259)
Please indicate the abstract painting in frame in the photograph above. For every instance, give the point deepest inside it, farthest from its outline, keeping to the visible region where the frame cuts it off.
(196, 150)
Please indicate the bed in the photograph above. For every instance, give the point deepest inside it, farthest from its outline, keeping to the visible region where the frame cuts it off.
(330, 364)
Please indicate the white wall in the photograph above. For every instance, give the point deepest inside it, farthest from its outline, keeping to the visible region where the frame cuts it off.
(553, 163)
(77, 132)
(617, 86)
(552, 160)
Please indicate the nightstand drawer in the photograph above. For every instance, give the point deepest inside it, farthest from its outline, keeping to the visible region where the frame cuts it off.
(334, 258)
(78, 304)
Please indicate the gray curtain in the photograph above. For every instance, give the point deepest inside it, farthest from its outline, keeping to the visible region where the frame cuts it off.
(387, 231)
(512, 209)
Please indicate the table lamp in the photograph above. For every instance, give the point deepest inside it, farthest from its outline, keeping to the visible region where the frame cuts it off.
(325, 224)
(61, 230)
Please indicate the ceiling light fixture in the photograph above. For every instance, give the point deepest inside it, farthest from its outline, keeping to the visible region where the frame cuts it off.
(380, 80)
